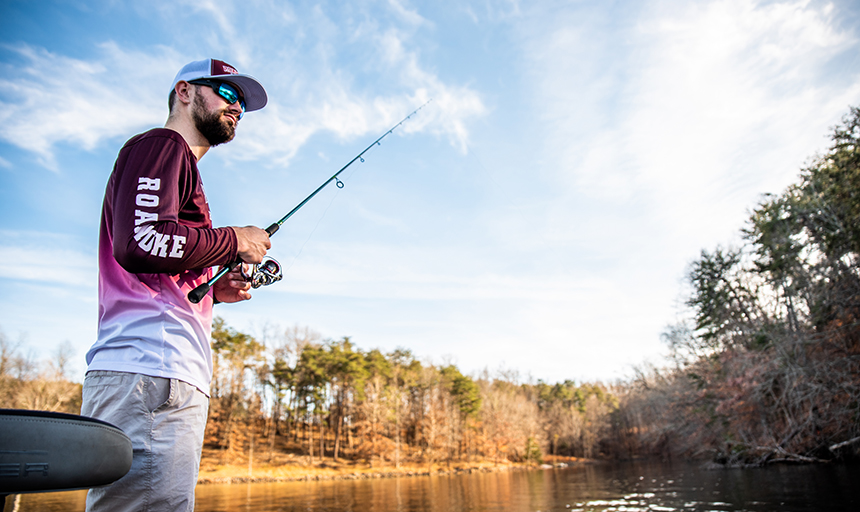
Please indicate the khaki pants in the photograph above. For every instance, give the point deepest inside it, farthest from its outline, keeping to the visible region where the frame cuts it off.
(165, 419)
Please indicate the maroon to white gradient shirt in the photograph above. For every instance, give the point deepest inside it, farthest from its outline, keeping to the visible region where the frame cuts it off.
(156, 243)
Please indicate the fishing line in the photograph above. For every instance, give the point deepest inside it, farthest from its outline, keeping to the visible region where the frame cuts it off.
(322, 217)
(497, 186)
(314, 230)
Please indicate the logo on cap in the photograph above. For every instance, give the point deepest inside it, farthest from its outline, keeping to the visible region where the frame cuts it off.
(220, 67)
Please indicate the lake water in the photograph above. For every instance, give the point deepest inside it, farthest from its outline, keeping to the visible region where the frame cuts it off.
(599, 487)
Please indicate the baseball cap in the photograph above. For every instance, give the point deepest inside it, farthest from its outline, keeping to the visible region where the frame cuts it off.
(252, 90)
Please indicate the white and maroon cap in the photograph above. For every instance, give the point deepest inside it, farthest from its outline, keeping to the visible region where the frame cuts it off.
(252, 90)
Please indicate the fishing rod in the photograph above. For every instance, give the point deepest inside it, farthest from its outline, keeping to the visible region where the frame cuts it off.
(269, 270)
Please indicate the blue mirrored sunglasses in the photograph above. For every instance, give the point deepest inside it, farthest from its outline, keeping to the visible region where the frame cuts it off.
(225, 90)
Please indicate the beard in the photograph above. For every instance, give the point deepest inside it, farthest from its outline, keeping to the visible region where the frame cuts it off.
(214, 128)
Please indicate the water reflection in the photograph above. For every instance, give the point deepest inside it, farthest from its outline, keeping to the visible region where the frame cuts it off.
(624, 487)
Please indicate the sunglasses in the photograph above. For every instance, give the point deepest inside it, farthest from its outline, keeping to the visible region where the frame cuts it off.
(225, 90)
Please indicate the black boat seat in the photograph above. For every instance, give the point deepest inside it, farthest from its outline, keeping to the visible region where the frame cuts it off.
(44, 451)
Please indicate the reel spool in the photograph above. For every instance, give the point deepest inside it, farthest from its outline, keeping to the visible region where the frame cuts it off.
(264, 273)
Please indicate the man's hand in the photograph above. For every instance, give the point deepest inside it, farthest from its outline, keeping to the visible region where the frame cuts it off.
(253, 243)
(232, 287)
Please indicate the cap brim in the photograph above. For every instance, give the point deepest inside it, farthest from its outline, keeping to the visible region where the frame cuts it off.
(253, 92)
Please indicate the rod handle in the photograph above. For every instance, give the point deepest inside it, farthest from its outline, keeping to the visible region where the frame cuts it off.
(197, 294)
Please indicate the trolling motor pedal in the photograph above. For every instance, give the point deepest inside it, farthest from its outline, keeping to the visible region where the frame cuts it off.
(264, 273)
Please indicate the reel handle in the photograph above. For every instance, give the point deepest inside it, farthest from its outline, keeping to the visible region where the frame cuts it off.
(197, 294)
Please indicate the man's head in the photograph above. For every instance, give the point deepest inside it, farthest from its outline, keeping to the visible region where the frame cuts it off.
(216, 96)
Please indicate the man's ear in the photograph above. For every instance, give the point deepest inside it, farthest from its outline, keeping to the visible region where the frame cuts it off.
(183, 92)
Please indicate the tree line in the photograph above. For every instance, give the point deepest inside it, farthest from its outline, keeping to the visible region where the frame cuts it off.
(331, 399)
(293, 392)
(766, 365)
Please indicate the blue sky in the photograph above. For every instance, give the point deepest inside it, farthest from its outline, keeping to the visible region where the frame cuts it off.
(537, 216)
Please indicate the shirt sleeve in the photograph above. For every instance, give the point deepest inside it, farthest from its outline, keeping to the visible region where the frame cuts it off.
(160, 216)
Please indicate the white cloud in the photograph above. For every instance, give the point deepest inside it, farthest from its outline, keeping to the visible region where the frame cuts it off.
(422, 273)
(663, 124)
(52, 98)
(47, 258)
(329, 104)
(703, 106)
(57, 99)
(411, 16)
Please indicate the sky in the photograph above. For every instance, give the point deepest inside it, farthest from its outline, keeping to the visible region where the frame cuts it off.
(537, 217)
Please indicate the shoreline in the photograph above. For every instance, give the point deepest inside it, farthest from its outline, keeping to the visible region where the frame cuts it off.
(298, 470)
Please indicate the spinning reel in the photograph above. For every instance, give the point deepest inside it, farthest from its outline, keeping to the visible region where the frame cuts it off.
(264, 273)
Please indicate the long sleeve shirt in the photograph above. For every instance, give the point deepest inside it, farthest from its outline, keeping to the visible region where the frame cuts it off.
(156, 243)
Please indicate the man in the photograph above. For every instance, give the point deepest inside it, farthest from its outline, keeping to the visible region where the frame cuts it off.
(150, 368)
